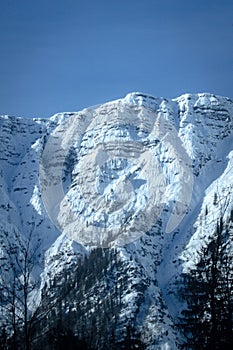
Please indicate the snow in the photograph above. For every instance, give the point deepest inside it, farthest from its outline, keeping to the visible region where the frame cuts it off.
(147, 165)
(36, 200)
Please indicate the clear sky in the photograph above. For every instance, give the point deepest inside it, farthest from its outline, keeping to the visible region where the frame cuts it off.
(64, 55)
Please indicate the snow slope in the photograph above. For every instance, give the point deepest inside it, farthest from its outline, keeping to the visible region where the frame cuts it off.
(137, 174)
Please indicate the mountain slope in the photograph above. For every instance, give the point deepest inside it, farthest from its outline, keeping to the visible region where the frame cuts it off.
(133, 177)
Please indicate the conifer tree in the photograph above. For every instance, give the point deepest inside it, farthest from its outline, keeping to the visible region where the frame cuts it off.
(208, 292)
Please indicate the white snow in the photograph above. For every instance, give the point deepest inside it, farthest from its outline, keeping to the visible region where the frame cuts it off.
(143, 166)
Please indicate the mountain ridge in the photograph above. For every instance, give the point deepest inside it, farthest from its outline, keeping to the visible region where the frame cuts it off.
(188, 143)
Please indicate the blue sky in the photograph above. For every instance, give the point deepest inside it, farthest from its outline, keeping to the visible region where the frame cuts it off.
(64, 55)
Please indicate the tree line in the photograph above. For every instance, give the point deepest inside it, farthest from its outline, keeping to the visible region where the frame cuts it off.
(78, 310)
(206, 322)
(81, 308)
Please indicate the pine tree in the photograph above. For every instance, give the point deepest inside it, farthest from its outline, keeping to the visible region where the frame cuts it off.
(208, 292)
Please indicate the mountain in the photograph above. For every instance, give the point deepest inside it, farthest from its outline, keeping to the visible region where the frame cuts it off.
(113, 204)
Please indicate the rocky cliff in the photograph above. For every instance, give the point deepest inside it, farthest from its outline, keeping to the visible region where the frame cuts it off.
(136, 186)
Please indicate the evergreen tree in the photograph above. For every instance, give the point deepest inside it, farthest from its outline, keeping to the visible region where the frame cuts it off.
(208, 292)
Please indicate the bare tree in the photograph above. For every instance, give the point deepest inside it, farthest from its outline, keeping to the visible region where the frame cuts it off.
(19, 257)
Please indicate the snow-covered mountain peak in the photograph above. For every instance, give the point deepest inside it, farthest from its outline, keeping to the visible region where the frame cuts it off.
(141, 99)
(120, 175)
(129, 161)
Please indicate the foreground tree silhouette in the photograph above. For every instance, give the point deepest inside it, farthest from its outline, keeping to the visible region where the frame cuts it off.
(16, 285)
(208, 292)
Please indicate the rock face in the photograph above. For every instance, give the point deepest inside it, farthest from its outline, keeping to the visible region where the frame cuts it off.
(132, 176)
